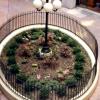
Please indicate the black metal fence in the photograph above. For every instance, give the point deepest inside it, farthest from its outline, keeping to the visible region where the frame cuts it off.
(59, 20)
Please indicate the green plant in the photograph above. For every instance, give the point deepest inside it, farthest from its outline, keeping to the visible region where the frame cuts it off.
(14, 69)
(13, 45)
(18, 39)
(71, 81)
(79, 57)
(58, 33)
(36, 30)
(57, 38)
(21, 77)
(24, 34)
(61, 91)
(53, 84)
(65, 38)
(30, 84)
(11, 60)
(78, 74)
(44, 93)
(78, 66)
(44, 82)
(10, 52)
(36, 35)
(72, 43)
(38, 85)
(76, 50)
(50, 30)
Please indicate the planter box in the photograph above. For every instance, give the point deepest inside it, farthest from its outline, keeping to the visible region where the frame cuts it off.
(69, 3)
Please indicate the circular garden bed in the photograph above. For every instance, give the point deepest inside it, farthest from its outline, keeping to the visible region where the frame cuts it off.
(46, 76)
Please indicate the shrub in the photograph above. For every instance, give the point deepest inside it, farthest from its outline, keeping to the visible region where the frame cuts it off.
(58, 33)
(78, 74)
(14, 69)
(19, 39)
(11, 60)
(78, 66)
(72, 43)
(13, 45)
(64, 38)
(44, 82)
(21, 77)
(36, 35)
(76, 50)
(53, 84)
(79, 57)
(44, 93)
(30, 84)
(38, 85)
(36, 30)
(71, 82)
(50, 30)
(61, 91)
(57, 38)
(10, 52)
(24, 34)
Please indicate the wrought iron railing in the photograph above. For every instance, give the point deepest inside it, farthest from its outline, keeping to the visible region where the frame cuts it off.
(59, 20)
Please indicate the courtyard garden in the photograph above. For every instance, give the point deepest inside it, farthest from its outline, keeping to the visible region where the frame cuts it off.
(58, 72)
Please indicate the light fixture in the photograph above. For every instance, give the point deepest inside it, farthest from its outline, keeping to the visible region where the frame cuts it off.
(57, 4)
(37, 4)
(48, 7)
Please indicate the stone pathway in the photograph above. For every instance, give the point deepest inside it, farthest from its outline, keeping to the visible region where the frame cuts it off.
(2, 97)
(88, 18)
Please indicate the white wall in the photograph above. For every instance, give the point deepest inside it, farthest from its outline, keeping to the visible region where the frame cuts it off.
(69, 3)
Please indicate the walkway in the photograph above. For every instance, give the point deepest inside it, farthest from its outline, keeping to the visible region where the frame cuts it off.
(88, 18)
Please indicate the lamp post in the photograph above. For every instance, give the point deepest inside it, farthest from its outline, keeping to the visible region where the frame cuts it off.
(48, 6)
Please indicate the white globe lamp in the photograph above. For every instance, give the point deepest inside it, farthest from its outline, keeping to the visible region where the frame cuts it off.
(37, 4)
(57, 4)
(48, 7)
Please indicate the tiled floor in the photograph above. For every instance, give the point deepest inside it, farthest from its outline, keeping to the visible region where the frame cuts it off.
(89, 19)
(95, 9)
(2, 97)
